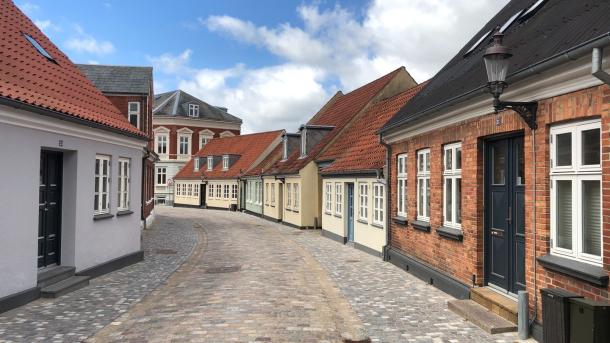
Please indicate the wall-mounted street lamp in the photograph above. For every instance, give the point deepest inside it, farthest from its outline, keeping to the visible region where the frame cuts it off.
(496, 63)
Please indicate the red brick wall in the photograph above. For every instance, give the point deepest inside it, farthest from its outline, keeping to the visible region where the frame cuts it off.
(173, 137)
(461, 260)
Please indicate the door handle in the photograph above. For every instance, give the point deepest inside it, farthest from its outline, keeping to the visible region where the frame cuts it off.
(510, 214)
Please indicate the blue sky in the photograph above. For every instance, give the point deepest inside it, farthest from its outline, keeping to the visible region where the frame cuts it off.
(273, 63)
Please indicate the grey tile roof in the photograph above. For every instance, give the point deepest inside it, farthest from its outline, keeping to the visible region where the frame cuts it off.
(175, 103)
(119, 79)
(555, 27)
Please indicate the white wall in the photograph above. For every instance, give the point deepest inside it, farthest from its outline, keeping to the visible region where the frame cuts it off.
(85, 242)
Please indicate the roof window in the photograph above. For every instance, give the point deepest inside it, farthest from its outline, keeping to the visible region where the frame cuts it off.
(510, 21)
(532, 10)
(474, 46)
(39, 47)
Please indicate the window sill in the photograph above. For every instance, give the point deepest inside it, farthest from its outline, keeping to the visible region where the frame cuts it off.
(377, 225)
(450, 233)
(289, 210)
(362, 221)
(103, 216)
(400, 220)
(124, 213)
(421, 225)
(328, 213)
(337, 215)
(580, 270)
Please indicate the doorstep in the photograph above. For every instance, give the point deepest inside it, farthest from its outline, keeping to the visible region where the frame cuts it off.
(495, 302)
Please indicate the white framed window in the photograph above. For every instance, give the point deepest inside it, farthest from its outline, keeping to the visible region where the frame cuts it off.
(378, 208)
(218, 191)
(101, 201)
(124, 171)
(272, 194)
(226, 191)
(338, 198)
(210, 162)
(161, 143)
(196, 190)
(193, 110)
(363, 201)
(285, 148)
(401, 185)
(233, 192)
(304, 142)
(225, 162)
(189, 190)
(259, 192)
(184, 143)
(296, 196)
(133, 113)
(576, 193)
(210, 191)
(423, 185)
(178, 185)
(452, 185)
(267, 194)
(224, 134)
(184, 189)
(288, 195)
(196, 163)
(161, 176)
(328, 199)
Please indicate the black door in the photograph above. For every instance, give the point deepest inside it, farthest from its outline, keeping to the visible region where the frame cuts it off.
(505, 214)
(202, 195)
(49, 208)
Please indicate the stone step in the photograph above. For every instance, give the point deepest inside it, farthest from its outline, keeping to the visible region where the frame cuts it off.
(481, 316)
(66, 286)
(53, 275)
(497, 303)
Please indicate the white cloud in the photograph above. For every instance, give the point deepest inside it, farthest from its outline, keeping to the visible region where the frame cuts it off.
(329, 46)
(46, 25)
(90, 45)
(28, 8)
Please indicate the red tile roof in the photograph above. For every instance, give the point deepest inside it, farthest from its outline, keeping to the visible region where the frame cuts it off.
(358, 147)
(337, 113)
(271, 159)
(28, 77)
(248, 147)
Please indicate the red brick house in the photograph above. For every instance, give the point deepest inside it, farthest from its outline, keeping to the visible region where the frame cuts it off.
(492, 203)
(130, 89)
(182, 125)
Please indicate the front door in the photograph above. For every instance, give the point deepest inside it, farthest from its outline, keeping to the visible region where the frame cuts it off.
(49, 208)
(350, 212)
(505, 214)
(202, 195)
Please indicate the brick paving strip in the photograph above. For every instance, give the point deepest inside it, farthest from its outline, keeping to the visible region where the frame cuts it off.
(78, 315)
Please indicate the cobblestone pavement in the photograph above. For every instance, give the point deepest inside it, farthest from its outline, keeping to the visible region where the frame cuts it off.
(246, 283)
(75, 316)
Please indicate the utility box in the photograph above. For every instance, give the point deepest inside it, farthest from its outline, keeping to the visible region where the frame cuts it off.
(556, 314)
(590, 321)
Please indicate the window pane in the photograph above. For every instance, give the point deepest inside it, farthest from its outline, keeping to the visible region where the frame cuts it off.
(104, 203)
(97, 166)
(427, 197)
(448, 199)
(520, 164)
(499, 164)
(133, 119)
(96, 202)
(97, 184)
(420, 200)
(590, 147)
(458, 201)
(564, 214)
(427, 161)
(564, 149)
(448, 159)
(420, 162)
(458, 158)
(591, 219)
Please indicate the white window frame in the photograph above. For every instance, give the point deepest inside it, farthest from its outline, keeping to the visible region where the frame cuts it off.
(161, 172)
(210, 191)
(136, 112)
(224, 134)
(423, 177)
(225, 162)
(272, 193)
(210, 162)
(338, 198)
(218, 191)
(196, 163)
(194, 110)
(178, 189)
(304, 142)
(401, 185)
(102, 206)
(204, 137)
(161, 138)
(234, 192)
(188, 136)
(363, 201)
(453, 173)
(328, 202)
(288, 196)
(576, 173)
(124, 184)
(378, 203)
(285, 148)
(296, 201)
(226, 191)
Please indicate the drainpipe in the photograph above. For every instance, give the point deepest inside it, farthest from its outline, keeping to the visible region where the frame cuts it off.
(597, 69)
(535, 261)
(388, 178)
(262, 196)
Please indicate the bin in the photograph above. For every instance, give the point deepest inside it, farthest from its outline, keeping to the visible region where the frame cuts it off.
(556, 314)
(590, 321)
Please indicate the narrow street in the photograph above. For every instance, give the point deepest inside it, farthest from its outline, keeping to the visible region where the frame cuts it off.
(244, 279)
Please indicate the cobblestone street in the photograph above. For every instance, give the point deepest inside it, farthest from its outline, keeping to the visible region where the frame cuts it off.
(240, 278)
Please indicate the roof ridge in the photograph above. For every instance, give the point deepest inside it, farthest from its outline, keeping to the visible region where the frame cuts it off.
(113, 65)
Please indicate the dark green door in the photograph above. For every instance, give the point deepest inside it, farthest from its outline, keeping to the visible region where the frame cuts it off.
(350, 212)
(505, 214)
(49, 208)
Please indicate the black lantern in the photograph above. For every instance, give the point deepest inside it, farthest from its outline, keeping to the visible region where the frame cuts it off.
(496, 59)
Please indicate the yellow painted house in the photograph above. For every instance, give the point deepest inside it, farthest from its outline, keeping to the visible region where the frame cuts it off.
(296, 177)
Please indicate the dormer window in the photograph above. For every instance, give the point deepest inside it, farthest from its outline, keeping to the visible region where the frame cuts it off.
(210, 162)
(304, 142)
(196, 163)
(225, 162)
(193, 110)
(285, 151)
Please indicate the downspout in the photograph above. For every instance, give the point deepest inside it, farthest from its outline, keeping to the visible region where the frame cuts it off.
(388, 178)
(263, 196)
(535, 261)
(597, 69)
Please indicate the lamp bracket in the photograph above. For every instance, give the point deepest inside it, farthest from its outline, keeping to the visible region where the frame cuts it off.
(526, 110)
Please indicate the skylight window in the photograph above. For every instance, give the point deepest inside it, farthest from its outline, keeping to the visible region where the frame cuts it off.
(38, 47)
(510, 21)
(474, 46)
(530, 11)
